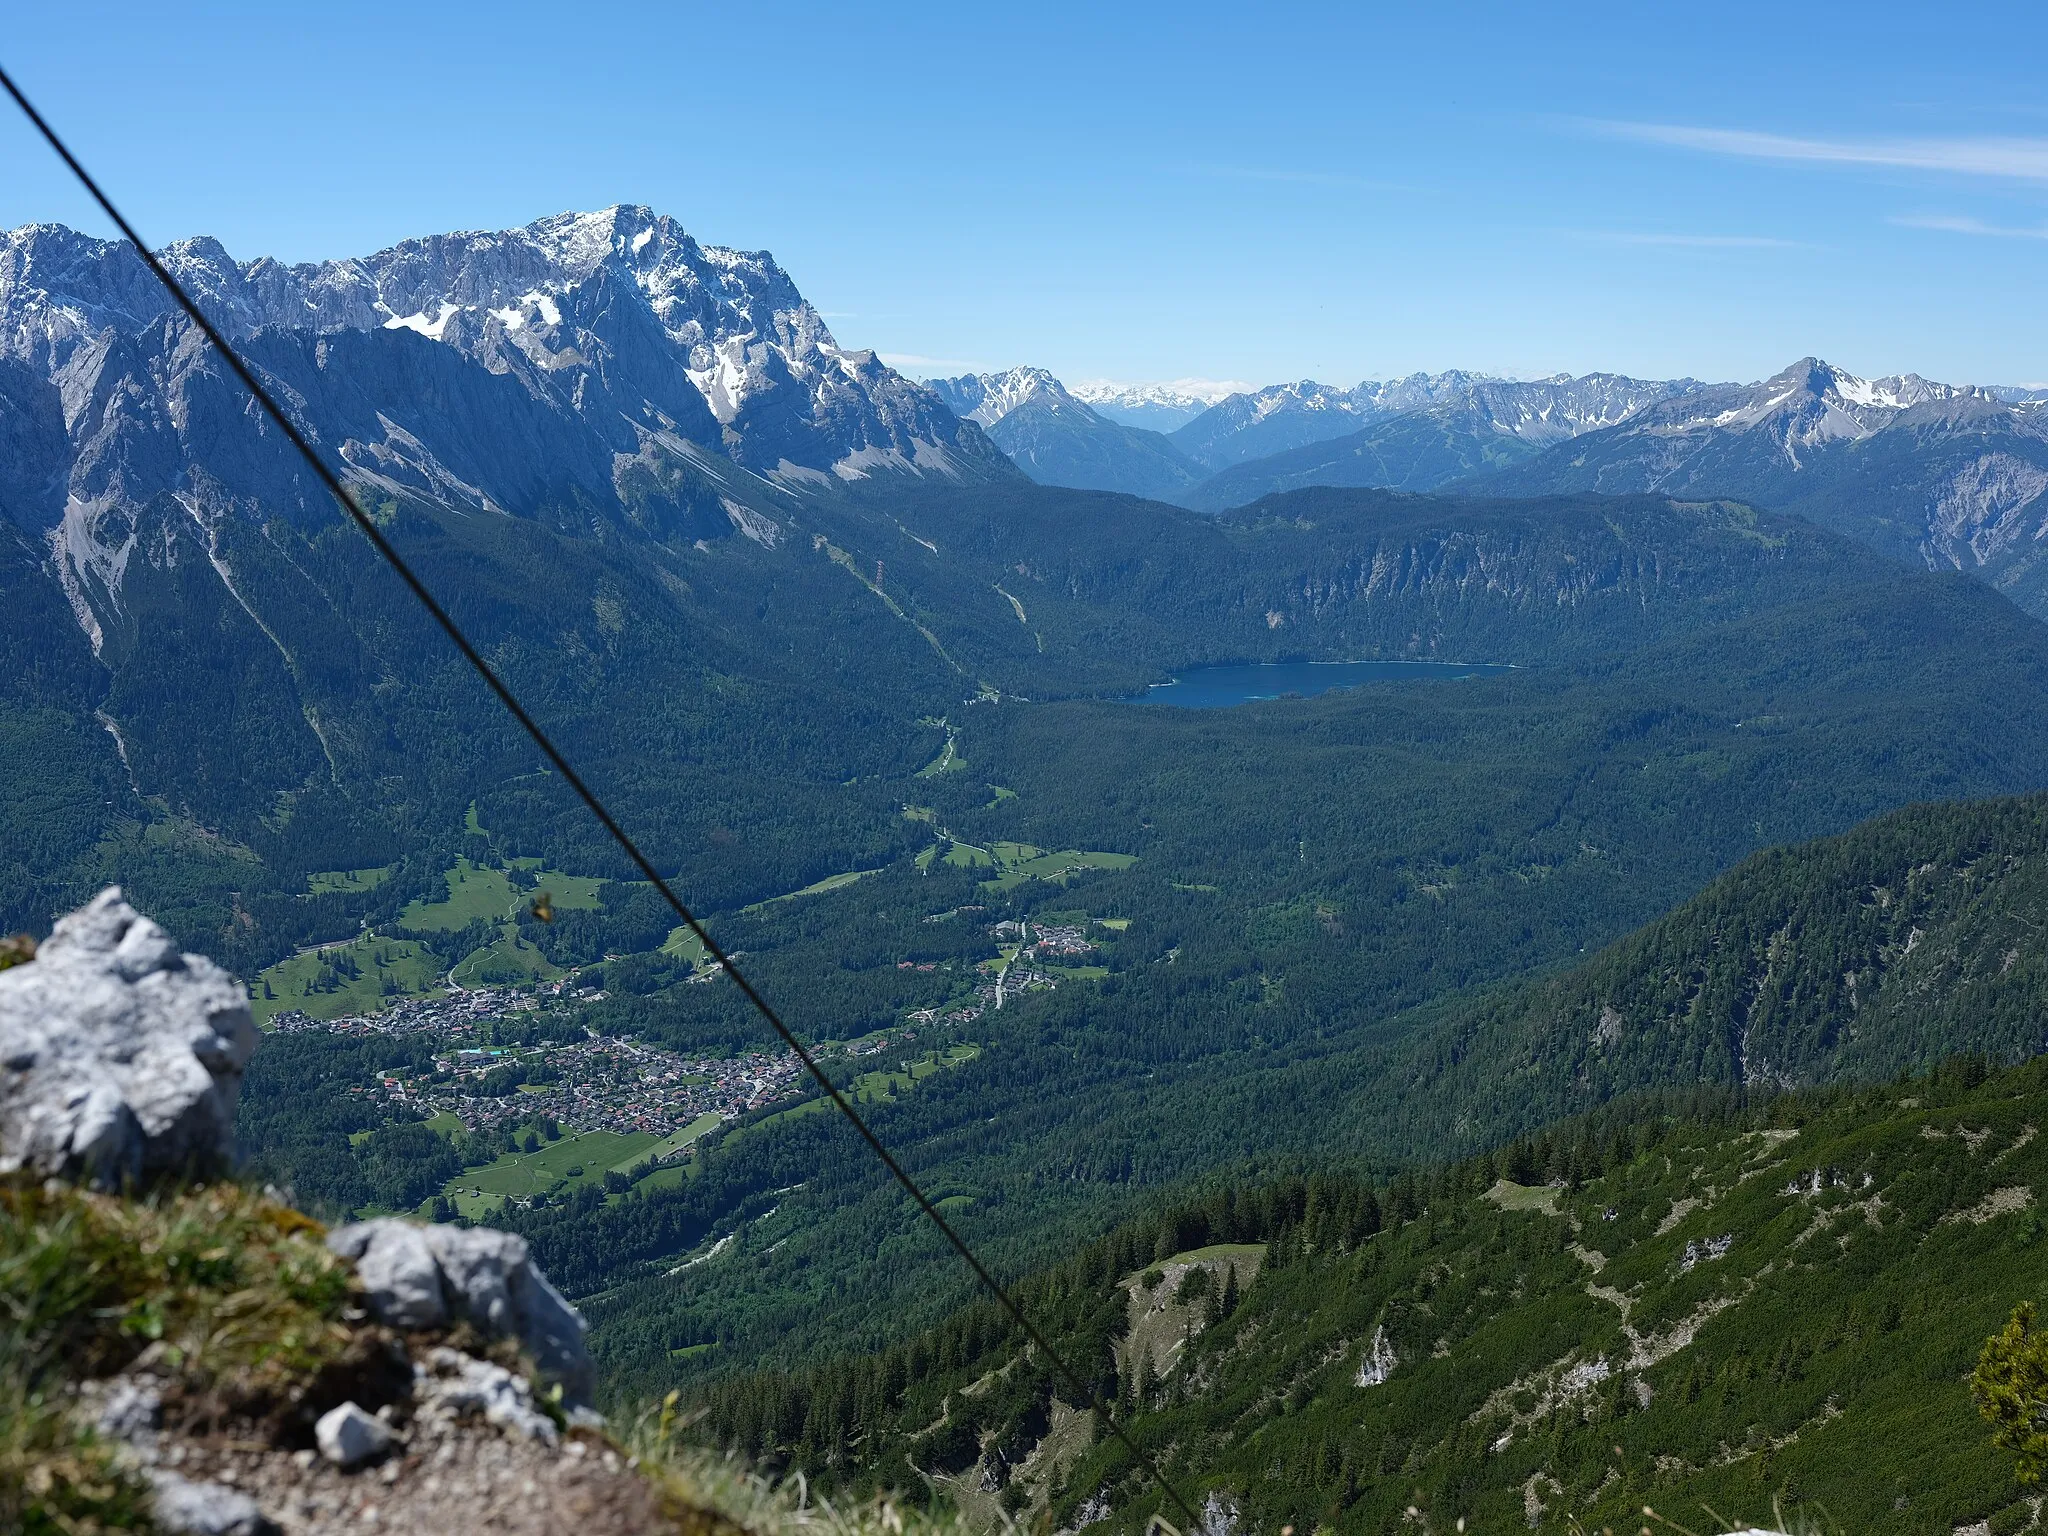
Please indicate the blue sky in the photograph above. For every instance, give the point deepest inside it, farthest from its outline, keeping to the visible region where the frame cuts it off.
(1144, 192)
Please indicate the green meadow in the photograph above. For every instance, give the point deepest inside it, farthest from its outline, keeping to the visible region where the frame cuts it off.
(348, 881)
(360, 976)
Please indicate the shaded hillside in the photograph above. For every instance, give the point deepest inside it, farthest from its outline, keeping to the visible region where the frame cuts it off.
(1855, 957)
(1713, 1316)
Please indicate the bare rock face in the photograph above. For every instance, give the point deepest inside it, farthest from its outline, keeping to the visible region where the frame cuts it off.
(120, 1058)
(427, 1277)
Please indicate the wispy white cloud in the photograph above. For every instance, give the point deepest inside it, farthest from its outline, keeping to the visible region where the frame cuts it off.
(2018, 159)
(1700, 242)
(1956, 225)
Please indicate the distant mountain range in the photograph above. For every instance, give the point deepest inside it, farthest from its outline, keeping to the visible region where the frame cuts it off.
(1282, 417)
(1059, 440)
(1944, 475)
(1157, 407)
(1468, 425)
(1252, 443)
(1949, 476)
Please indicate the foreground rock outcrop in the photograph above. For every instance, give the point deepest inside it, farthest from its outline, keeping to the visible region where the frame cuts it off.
(423, 1277)
(427, 1377)
(120, 1058)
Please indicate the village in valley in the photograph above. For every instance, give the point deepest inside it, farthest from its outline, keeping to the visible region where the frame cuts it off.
(592, 1083)
(526, 1063)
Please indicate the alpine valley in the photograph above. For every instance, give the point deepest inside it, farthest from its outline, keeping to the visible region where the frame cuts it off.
(1592, 1070)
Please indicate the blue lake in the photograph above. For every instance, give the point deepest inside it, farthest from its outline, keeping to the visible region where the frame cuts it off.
(1221, 687)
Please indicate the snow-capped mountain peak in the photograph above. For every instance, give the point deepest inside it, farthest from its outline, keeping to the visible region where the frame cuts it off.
(1161, 407)
(633, 320)
(1810, 402)
(986, 398)
(1059, 440)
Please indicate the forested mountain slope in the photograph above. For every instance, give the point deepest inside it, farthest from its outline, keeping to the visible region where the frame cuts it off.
(669, 662)
(1854, 957)
(1310, 876)
(1719, 1315)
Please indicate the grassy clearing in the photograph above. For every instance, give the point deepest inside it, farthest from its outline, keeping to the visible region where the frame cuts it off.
(875, 1087)
(478, 1192)
(949, 759)
(360, 976)
(475, 894)
(507, 961)
(817, 888)
(1114, 924)
(1523, 1197)
(682, 942)
(1017, 863)
(570, 893)
(672, 1143)
(479, 894)
(883, 1087)
(329, 881)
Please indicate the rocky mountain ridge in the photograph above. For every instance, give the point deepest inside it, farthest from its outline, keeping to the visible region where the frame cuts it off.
(1283, 417)
(577, 296)
(605, 362)
(1949, 476)
(1058, 439)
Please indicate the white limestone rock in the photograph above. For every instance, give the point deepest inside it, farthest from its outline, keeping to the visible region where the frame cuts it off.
(1377, 1368)
(453, 1386)
(348, 1437)
(120, 1058)
(397, 1268)
(427, 1276)
(183, 1508)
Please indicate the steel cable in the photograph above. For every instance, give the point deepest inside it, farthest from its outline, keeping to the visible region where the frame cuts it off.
(570, 776)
